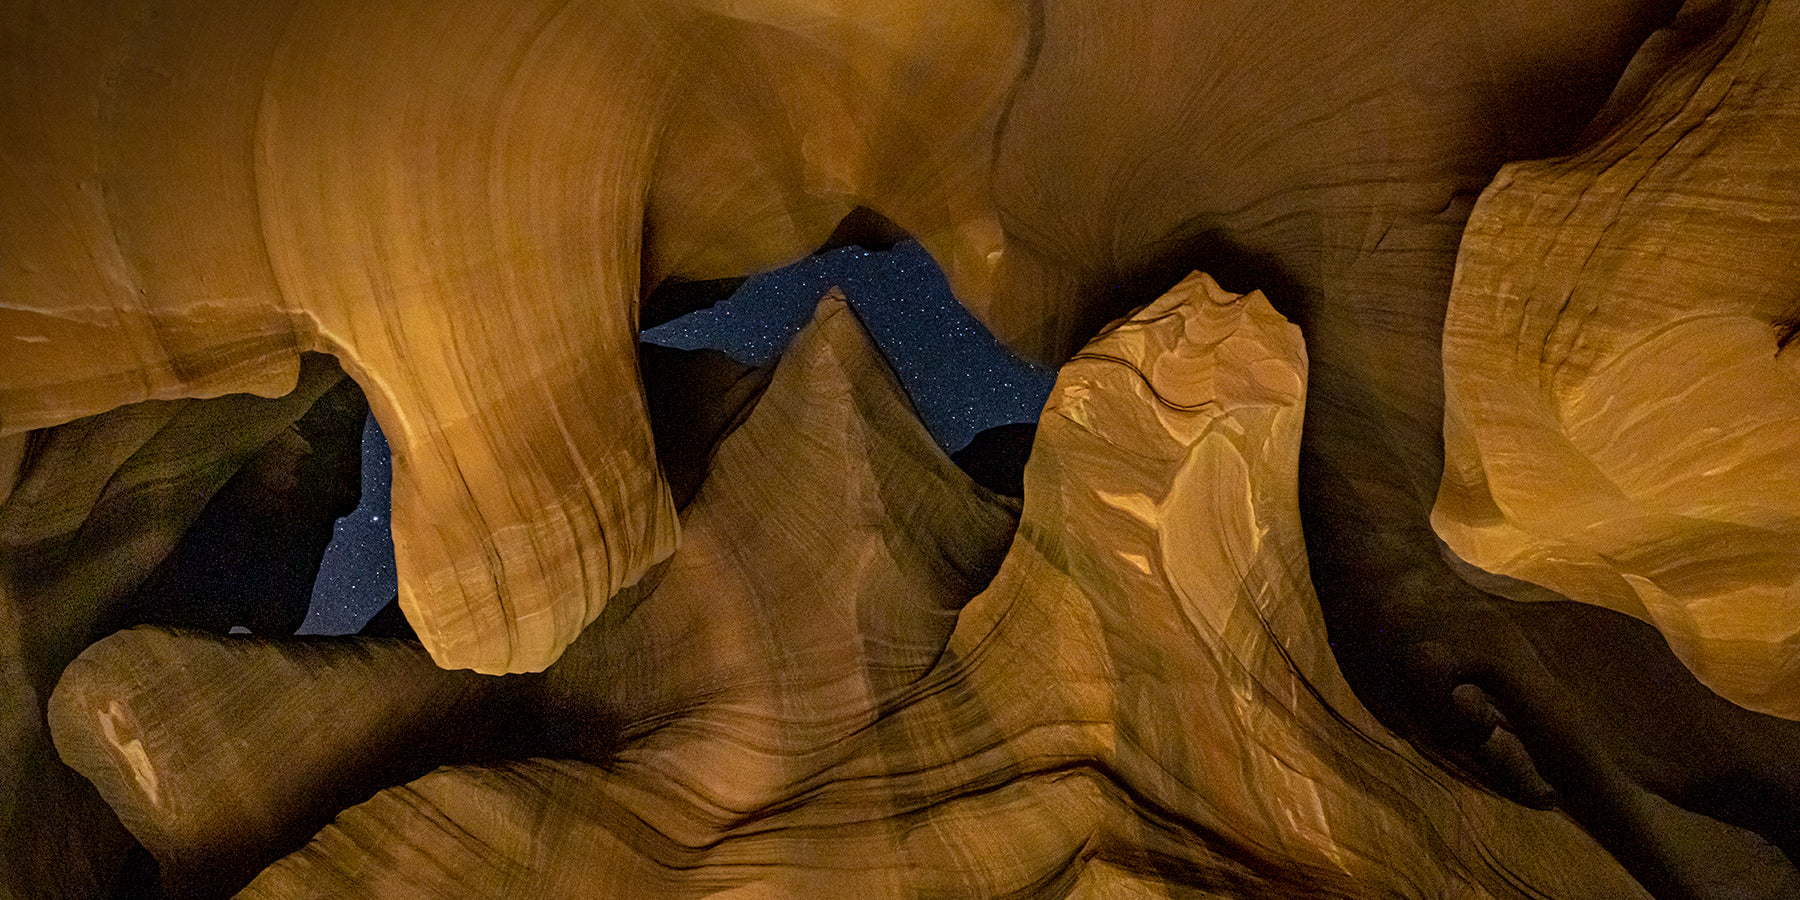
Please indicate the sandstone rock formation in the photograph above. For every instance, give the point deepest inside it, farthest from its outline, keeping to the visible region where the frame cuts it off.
(98, 504)
(207, 223)
(466, 203)
(424, 189)
(219, 754)
(787, 607)
(1624, 390)
(1140, 701)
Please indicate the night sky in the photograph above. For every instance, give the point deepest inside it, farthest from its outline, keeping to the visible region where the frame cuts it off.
(357, 577)
(960, 378)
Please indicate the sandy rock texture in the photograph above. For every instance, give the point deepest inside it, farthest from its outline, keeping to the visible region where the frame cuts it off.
(1542, 255)
(808, 700)
(1623, 384)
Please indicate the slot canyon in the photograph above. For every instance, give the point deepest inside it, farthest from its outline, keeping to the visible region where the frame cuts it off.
(1415, 512)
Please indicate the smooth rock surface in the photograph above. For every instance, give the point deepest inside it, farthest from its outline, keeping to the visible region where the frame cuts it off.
(99, 503)
(466, 205)
(199, 195)
(1623, 422)
(1141, 703)
(221, 753)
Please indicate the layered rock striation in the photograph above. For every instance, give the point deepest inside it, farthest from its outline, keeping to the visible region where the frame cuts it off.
(1623, 384)
(809, 700)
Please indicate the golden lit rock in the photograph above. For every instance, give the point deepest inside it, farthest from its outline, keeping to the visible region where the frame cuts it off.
(1623, 388)
(468, 205)
(1145, 677)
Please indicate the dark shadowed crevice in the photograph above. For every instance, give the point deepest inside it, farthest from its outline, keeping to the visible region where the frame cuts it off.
(677, 297)
(253, 554)
(864, 228)
(696, 398)
(996, 457)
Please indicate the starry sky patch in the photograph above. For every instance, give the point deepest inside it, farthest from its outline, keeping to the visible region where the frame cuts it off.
(959, 377)
(961, 380)
(357, 577)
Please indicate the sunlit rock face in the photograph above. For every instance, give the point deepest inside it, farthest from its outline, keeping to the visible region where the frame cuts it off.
(1623, 385)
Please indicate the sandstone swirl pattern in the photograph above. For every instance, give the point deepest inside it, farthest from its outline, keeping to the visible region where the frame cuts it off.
(812, 701)
(1622, 380)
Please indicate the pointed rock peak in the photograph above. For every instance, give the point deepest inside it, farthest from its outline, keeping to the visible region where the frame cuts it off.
(834, 378)
(834, 443)
(1196, 352)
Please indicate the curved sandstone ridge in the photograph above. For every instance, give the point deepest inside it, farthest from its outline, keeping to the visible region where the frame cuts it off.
(86, 534)
(1623, 387)
(251, 183)
(828, 609)
(1140, 702)
(211, 748)
(465, 203)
